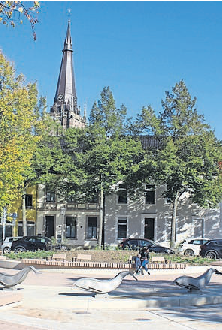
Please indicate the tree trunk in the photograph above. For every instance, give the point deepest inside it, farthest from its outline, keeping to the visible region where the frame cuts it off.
(24, 220)
(173, 221)
(101, 216)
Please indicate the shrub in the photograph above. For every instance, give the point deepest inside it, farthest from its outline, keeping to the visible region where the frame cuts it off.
(30, 255)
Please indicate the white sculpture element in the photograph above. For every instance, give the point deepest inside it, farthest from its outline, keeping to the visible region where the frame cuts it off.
(8, 281)
(102, 286)
(198, 283)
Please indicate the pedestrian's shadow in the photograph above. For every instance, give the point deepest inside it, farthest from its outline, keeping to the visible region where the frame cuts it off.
(75, 294)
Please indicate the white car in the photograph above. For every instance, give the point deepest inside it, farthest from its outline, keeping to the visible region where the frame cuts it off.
(191, 246)
(6, 246)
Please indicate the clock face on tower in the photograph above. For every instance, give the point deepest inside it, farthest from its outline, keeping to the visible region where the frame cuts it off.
(60, 97)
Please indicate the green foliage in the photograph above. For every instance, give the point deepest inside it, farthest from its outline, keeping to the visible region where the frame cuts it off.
(194, 260)
(30, 255)
(110, 153)
(104, 114)
(76, 162)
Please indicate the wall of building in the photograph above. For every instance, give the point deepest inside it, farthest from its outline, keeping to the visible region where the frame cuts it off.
(54, 209)
(191, 219)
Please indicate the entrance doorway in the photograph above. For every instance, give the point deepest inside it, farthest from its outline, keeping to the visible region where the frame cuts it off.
(49, 226)
(149, 228)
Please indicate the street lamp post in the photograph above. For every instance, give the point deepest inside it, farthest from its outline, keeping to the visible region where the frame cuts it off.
(62, 212)
(4, 216)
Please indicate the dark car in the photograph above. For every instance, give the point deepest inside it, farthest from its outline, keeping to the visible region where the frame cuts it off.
(138, 243)
(31, 243)
(212, 249)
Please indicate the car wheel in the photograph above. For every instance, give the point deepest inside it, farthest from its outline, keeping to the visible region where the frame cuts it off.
(188, 252)
(20, 249)
(6, 250)
(211, 255)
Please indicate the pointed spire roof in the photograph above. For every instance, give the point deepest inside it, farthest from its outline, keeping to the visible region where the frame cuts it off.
(65, 109)
(68, 39)
(66, 89)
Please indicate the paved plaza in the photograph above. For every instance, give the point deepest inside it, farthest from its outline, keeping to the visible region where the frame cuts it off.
(49, 301)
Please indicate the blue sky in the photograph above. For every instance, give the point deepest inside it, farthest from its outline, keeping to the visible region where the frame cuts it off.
(139, 49)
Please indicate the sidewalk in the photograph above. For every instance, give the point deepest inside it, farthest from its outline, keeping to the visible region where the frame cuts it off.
(49, 302)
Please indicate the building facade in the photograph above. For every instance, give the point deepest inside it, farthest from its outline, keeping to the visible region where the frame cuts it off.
(150, 216)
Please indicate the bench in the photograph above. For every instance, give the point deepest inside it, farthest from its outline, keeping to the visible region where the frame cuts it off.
(83, 257)
(158, 260)
(59, 256)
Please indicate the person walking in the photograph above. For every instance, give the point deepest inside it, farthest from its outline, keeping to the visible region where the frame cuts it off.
(145, 257)
(138, 264)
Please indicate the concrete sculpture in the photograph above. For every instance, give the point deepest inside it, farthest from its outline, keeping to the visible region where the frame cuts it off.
(9, 281)
(102, 286)
(191, 283)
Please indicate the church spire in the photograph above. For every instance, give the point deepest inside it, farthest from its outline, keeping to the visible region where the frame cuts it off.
(65, 101)
(68, 39)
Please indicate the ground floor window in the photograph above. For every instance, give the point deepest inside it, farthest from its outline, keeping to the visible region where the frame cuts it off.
(8, 231)
(92, 227)
(70, 227)
(30, 228)
(122, 227)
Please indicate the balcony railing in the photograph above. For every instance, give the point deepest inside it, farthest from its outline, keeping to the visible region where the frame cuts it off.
(55, 206)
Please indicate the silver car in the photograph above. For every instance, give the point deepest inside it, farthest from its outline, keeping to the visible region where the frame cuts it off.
(6, 246)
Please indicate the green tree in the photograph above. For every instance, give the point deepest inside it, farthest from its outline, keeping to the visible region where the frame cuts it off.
(13, 12)
(186, 158)
(110, 152)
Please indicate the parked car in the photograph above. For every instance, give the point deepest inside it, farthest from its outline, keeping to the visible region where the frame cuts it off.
(6, 246)
(212, 249)
(191, 246)
(138, 243)
(31, 243)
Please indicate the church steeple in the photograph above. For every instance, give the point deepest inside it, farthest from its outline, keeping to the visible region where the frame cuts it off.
(65, 106)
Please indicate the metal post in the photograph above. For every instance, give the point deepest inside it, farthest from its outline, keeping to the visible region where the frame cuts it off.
(4, 215)
(63, 212)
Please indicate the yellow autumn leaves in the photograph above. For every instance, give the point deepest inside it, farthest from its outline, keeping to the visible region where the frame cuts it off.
(18, 122)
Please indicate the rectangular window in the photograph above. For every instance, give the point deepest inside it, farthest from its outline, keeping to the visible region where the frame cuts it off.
(50, 196)
(122, 227)
(28, 201)
(122, 194)
(150, 194)
(70, 227)
(92, 227)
